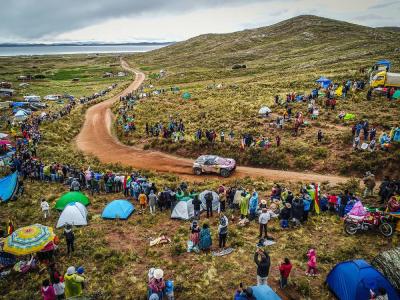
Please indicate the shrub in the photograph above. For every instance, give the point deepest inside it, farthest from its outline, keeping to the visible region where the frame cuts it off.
(303, 162)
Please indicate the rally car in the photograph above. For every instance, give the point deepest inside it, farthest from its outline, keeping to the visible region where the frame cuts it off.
(214, 164)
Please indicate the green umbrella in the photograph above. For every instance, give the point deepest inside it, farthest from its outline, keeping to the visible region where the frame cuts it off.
(71, 197)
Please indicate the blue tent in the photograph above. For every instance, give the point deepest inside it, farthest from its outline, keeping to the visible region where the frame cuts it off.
(324, 82)
(8, 185)
(118, 209)
(383, 62)
(353, 280)
(264, 292)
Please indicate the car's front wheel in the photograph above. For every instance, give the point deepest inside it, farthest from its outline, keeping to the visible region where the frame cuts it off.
(225, 172)
(197, 171)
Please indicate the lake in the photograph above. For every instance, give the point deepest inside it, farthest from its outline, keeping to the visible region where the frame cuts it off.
(74, 49)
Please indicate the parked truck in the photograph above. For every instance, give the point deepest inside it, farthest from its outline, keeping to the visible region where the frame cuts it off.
(386, 80)
(382, 82)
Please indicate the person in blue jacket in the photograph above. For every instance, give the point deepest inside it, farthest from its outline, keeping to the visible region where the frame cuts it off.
(307, 206)
(253, 205)
(244, 293)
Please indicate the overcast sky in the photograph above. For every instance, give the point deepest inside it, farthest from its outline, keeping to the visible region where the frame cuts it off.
(170, 20)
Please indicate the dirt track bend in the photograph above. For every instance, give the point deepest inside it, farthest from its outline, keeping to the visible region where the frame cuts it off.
(96, 138)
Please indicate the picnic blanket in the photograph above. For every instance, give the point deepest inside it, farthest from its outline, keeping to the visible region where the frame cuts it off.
(222, 252)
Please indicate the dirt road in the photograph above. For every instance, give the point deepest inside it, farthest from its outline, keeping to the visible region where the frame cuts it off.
(96, 138)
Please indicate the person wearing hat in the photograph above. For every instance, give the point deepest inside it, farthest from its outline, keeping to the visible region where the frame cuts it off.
(263, 204)
(157, 283)
(73, 283)
(263, 220)
(284, 215)
(222, 230)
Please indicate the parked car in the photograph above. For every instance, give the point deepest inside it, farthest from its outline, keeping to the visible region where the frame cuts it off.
(214, 164)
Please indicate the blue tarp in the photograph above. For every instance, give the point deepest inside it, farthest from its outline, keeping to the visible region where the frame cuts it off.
(120, 209)
(353, 280)
(264, 292)
(8, 185)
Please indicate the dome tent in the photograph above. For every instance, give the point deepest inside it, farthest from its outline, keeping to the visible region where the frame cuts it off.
(118, 209)
(264, 292)
(71, 197)
(186, 95)
(264, 111)
(353, 280)
(183, 210)
(74, 213)
(215, 201)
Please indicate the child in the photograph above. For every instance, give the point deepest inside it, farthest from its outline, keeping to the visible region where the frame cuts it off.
(80, 271)
(195, 233)
(169, 290)
(47, 290)
(59, 288)
(312, 263)
(285, 269)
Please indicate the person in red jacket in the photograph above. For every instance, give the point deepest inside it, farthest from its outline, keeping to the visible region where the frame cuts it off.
(284, 269)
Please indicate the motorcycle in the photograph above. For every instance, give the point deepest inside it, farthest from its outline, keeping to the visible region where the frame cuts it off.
(372, 221)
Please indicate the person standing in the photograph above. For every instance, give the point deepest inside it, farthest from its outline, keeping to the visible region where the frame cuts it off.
(285, 269)
(152, 202)
(369, 182)
(69, 238)
(312, 263)
(196, 207)
(73, 283)
(142, 201)
(209, 199)
(59, 289)
(205, 238)
(45, 208)
(222, 137)
(47, 290)
(222, 230)
(222, 201)
(263, 262)
(244, 204)
(263, 219)
(320, 135)
(278, 140)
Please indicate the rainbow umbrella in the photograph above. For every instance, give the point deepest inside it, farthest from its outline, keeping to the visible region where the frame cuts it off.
(28, 240)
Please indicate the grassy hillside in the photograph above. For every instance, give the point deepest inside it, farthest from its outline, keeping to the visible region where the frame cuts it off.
(282, 58)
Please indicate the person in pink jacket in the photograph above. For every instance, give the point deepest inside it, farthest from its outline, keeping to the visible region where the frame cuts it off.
(312, 263)
(48, 290)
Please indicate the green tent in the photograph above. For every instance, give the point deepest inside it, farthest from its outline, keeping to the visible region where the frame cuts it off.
(396, 94)
(186, 95)
(349, 117)
(71, 197)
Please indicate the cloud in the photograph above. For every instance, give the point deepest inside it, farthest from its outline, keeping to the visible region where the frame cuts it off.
(33, 19)
(382, 5)
(166, 20)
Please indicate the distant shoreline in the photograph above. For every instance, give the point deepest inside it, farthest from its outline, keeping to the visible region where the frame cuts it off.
(72, 49)
(84, 44)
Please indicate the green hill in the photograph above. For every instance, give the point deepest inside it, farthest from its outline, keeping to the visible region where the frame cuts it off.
(283, 58)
